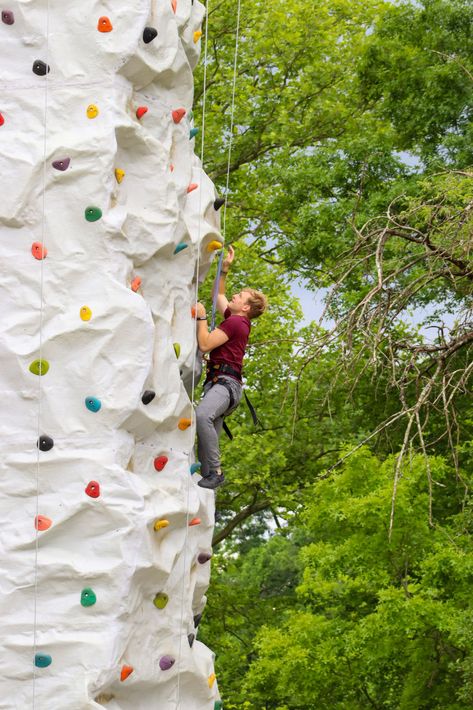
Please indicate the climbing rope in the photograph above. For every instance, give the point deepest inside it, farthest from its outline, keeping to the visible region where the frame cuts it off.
(43, 242)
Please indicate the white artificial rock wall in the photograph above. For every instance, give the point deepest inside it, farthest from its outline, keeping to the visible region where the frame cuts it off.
(106, 344)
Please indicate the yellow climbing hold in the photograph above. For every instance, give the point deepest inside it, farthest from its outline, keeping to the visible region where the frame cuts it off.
(92, 111)
(214, 245)
(40, 367)
(177, 349)
(184, 424)
(160, 524)
(211, 679)
(197, 36)
(85, 313)
(119, 174)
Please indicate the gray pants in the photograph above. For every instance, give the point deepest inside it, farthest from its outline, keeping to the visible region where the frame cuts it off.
(214, 404)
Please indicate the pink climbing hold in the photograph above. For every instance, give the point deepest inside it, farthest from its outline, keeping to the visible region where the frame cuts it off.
(41, 522)
(174, 6)
(166, 662)
(160, 462)
(135, 284)
(93, 489)
(192, 186)
(140, 111)
(39, 251)
(178, 114)
(171, 168)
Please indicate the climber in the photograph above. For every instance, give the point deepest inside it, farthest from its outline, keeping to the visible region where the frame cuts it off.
(223, 386)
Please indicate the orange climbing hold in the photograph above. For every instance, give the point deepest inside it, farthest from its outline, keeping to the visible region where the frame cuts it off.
(174, 6)
(184, 423)
(195, 521)
(39, 251)
(193, 311)
(136, 283)
(140, 111)
(41, 522)
(214, 245)
(104, 24)
(125, 672)
(211, 679)
(192, 186)
(178, 114)
(197, 36)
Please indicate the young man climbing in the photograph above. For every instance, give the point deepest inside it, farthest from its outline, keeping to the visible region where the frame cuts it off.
(222, 388)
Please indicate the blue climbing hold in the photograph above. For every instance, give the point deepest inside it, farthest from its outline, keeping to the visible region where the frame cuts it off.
(42, 660)
(93, 404)
(180, 247)
(192, 133)
(195, 467)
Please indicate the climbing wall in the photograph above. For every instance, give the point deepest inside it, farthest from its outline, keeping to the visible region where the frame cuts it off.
(106, 221)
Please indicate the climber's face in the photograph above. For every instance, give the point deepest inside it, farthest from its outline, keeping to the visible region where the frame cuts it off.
(238, 304)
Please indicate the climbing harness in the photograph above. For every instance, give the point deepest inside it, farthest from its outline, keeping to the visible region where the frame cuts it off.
(214, 375)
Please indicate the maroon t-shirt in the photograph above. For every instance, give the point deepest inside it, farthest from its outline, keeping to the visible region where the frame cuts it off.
(232, 352)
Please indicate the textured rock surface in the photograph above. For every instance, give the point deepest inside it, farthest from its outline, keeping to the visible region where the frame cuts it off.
(81, 591)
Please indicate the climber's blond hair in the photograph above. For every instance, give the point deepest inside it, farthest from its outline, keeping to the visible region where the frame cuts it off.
(257, 302)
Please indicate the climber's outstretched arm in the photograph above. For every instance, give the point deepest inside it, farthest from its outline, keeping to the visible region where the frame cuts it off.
(222, 300)
(207, 341)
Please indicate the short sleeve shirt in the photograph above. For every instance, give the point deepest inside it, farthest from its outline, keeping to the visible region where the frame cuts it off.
(237, 328)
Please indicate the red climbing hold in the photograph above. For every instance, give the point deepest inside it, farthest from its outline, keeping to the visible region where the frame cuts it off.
(174, 6)
(135, 284)
(93, 489)
(104, 24)
(125, 672)
(2, 120)
(192, 186)
(140, 111)
(193, 311)
(41, 522)
(171, 168)
(178, 114)
(39, 251)
(8, 17)
(160, 462)
(195, 521)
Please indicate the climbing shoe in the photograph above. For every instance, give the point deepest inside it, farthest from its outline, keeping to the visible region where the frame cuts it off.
(212, 480)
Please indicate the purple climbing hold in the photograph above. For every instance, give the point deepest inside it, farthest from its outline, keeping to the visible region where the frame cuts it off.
(204, 557)
(8, 18)
(149, 33)
(166, 662)
(61, 164)
(40, 68)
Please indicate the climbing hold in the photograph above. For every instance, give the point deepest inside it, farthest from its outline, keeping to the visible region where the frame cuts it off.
(211, 679)
(149, 33)
(8, 18)
(219, 202)
(197, 620)
(39, 367)
(214, 245)
(135, 284)
(178, 114)
(61, 164)
(93, 489)
(148, 396)
(177, 349)
(41, 522)
(160, 524)
(190, 115)
(104, 24)
(88, 597)
(197, 35)
(40, 68)
(171, 168)
(180, 247)
(2, 120)
(42, 660)
(125, 672)
(160, 462)
(204, 557)
(93, 404)
(218, 705)
(92, 111)
(160, 600)
(195, 467)
(140, 111)
(166, 662)
(92, 214)
(192, 186)
(85, 313)
(119, 174)
(191, 639)
(39, 251)
(45, 443)
(174, 5)
(192, 133)
(184, 423)
(193, 312)
(195, 521)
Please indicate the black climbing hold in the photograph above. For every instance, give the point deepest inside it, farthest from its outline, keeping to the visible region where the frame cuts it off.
(45, 443)
(191, 639)
(8, 18)
(40, 68)
(197, 619)
(148, 396)
(219, 202)
(149, 33)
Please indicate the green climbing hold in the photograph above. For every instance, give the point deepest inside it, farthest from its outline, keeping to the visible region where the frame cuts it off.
(88, 597)
(92, 214)
(42, 660)
(195, 467)
(192, 133)
(160, 600)
(190, 115)
(39, 367)
(218, 705)
(177, 349)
